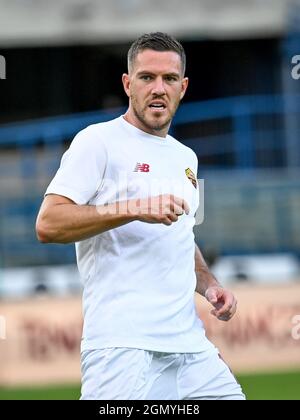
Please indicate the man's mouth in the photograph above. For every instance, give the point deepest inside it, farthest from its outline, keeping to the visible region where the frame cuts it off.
(157, 106)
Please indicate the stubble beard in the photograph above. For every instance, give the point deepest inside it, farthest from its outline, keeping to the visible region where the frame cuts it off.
(140, 114)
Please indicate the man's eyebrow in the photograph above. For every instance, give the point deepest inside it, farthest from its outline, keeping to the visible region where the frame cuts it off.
(173, 74)
(143, 72)
(139, 73)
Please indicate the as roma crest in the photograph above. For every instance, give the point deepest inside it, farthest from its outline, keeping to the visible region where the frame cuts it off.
(190, 174)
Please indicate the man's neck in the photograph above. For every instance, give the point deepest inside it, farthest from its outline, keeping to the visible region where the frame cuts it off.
(138, 124)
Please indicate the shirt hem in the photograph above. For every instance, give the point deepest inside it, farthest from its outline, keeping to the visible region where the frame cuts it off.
(66, 192)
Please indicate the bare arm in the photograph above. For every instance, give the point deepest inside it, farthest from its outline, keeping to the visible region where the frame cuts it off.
(60, 220)
(205, 278)
(208, 286)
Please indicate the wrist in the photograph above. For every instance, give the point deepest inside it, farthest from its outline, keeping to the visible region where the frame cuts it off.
(118, 210)
(133, 210)
(212, 286)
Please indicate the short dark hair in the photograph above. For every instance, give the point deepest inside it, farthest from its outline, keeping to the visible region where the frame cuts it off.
(157, 41)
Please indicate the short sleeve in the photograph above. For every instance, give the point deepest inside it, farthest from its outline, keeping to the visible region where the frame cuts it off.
(82, 168)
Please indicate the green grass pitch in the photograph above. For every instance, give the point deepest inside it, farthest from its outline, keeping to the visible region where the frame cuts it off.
(272, 386)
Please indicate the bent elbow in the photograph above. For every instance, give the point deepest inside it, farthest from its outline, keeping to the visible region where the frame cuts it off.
(43, 233)
(47, 234)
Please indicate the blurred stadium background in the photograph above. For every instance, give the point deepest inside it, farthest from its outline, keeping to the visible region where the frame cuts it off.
(64, 61)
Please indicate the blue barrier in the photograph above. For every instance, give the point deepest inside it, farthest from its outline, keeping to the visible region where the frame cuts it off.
(241, 133)
(240, 111)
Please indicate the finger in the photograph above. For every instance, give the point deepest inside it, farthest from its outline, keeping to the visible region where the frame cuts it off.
(173, 217)
(213, 312)
(182, 203)
(226, 301)
(186, 207)
(211, 296)
(175, 208)
(233, 309)
(229, 315)
(225, 317)
(178, 210)
(166, 221)
(228, 309)
(224, 311)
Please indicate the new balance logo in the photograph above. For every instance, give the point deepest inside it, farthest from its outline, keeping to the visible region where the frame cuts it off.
(142, 167)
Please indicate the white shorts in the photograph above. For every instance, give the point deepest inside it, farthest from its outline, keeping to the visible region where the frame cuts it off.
(134, 374)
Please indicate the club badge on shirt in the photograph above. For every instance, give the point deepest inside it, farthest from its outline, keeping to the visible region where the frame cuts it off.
(190, 174)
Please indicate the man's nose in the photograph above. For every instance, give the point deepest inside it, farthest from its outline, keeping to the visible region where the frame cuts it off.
(158, 87)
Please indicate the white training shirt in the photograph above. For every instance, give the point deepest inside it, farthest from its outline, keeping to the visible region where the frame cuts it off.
(139, 279)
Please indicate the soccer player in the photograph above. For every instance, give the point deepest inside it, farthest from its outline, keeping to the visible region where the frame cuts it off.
(126, 193)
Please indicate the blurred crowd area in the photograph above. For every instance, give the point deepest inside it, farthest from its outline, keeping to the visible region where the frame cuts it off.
(63, 65)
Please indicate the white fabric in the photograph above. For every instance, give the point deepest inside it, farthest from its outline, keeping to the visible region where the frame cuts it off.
(139, 279)
(133, 374)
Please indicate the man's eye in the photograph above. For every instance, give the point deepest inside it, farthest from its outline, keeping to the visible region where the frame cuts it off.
(146, 78)
(171, 79)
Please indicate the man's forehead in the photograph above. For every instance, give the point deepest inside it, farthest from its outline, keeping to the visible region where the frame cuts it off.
(158, 61)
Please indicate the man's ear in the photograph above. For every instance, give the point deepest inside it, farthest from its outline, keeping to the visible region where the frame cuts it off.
(184, 85)
(126, 83)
